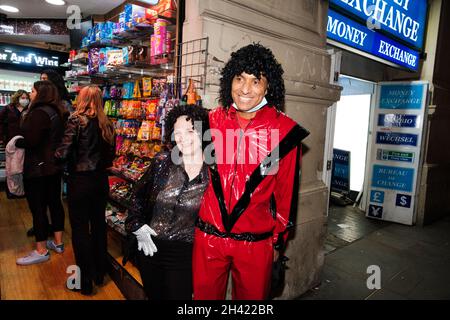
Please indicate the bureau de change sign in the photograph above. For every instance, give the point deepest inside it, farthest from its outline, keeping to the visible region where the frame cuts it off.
(394, 151)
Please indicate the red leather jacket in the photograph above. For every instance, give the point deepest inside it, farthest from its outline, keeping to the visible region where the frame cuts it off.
(238, 153)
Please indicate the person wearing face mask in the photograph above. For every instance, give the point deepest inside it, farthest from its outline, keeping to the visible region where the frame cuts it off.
(165, 205)
(10, 117)
(249, 205)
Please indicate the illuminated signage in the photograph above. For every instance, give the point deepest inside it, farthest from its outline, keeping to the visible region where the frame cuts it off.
(403, 19)
(28, 58)
(354, 35)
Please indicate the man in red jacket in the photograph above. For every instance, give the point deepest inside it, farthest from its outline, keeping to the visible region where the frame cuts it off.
(252, 197)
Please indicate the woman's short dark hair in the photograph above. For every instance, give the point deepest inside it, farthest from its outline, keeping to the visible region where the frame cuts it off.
(256, 60)
(198, 117)
(58, 81)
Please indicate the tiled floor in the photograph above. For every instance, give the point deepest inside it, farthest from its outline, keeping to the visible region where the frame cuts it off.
(348, 224)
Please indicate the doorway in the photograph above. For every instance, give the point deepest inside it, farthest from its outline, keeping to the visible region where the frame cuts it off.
(351, 130)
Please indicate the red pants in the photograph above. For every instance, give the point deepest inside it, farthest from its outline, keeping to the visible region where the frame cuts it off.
(250, 264)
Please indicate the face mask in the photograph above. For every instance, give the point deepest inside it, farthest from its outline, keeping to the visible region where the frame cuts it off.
(24, 102)
(255, 108)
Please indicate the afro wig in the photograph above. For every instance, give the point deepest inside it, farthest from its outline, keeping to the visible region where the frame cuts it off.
(256, 60)
(197, 115)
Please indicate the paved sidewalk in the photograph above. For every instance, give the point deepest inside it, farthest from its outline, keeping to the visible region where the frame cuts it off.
(414, 261)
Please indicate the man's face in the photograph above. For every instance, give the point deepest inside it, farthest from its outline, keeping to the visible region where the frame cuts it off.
(248, 91)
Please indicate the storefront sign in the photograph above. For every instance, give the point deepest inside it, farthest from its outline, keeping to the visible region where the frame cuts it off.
(403, 139)
(375, 212)
(397, 120)
(403, 19)
(355, 35)
(28, 58)
(389, 155)
(340, 174)
(401, 97)
(392, 170)
(393, 178)
(377, 196)
(403, 200)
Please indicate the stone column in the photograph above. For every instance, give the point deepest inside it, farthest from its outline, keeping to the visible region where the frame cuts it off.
(295, 30)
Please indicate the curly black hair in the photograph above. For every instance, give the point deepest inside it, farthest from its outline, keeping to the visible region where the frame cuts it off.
(256, 60)
(197, 115)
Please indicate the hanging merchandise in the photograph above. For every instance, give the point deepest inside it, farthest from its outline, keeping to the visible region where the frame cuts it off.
(137, 90)
(191, 93)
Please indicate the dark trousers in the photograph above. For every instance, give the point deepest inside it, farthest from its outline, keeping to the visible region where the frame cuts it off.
(43, 193)
(168, 274)
(87, 194)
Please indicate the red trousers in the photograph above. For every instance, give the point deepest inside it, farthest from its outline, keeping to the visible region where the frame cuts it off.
(250, 264)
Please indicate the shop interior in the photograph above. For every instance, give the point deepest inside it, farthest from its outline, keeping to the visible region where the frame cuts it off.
(135, 53)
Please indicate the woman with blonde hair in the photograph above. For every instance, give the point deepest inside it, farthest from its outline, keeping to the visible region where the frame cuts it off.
(88, 148)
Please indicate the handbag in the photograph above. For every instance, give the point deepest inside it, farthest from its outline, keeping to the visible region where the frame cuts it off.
(278, 274)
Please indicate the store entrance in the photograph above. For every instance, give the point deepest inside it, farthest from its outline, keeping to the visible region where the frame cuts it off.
(351, 129)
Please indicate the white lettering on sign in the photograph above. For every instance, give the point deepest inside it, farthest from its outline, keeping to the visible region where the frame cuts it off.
(346, 31)
(29, 59)
(391, 184)
(396, 139)
(389, 15)
(398, 120)
(396, 53)
(403, 201)
(341, 157)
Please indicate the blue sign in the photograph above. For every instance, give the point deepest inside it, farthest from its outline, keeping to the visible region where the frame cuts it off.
(340, 174)
(403, 200)
(393, 178)
(397, 120)
(355, 35)
(377, 196)
(403, 96)
(375, 211)
(404, 139)
(403, 19)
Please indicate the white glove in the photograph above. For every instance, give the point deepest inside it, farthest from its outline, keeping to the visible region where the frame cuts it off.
(144, 237)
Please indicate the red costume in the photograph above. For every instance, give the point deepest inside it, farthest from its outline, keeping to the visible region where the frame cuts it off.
(245, 212)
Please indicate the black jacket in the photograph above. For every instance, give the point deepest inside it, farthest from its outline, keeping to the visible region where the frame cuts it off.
(84, 147)
(9, 122)
(42, 129)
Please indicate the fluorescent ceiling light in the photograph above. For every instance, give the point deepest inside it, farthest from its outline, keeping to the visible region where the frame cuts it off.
(43, 26)
(9, 9)
(150, 2)
(56, 2)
